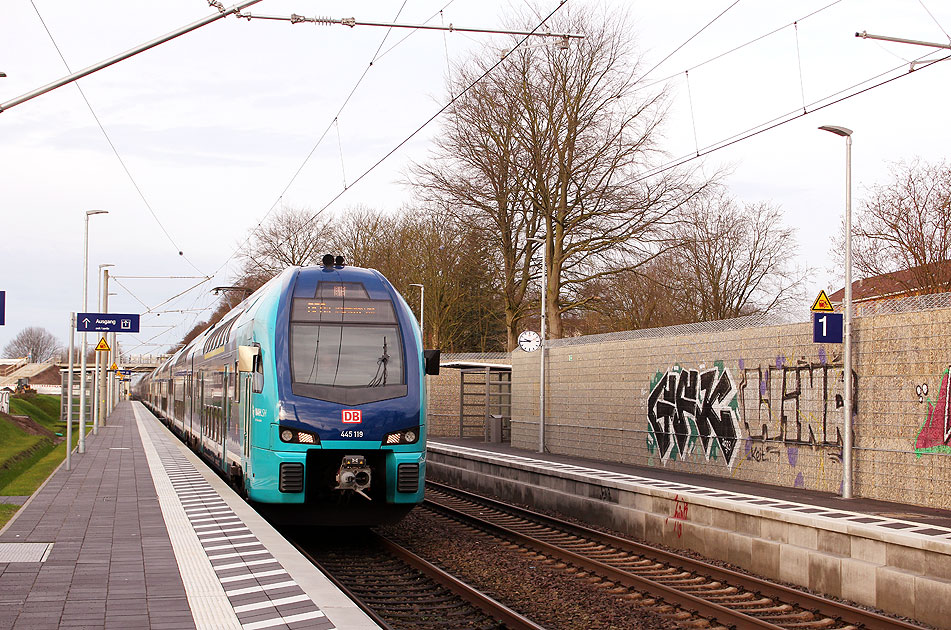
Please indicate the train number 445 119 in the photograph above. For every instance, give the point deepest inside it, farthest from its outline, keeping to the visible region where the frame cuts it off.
(350, 433)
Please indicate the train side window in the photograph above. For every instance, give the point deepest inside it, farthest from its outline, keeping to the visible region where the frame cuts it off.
(257, 381)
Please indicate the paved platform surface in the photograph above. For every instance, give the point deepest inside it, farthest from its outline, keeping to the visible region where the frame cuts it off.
(884, 511)
(140, 534)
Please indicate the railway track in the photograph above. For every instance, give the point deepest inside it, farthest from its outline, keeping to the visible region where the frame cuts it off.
(723, 596)
(401, 591)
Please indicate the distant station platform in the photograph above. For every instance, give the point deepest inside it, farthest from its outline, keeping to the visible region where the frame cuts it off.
(891, 556)
(141, 534)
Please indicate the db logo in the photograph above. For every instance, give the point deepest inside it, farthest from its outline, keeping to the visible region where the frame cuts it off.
(352, 416)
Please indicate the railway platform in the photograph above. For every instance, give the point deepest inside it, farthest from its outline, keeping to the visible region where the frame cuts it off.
(141, 534)
(890, 556)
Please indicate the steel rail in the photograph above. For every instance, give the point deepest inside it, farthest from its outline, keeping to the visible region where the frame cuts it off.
(475, 598)
(491, 607)
(808, 601)
(377, 619)
(707, 609)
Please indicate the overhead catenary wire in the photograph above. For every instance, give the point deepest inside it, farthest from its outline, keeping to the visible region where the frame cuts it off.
(737, 48)
(928, 11)
(425, 124)
(688, 40)
(112, 145)
(778, 121)
(351, 22)
(314, 149)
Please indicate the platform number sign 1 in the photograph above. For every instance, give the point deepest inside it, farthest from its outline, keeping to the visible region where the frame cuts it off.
(827, 325)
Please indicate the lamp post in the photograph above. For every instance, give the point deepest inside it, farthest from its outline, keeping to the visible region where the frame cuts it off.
(847, 305)
(422, 292)
(541, 350)
(82, 383)
(69, 390)
(97, 402)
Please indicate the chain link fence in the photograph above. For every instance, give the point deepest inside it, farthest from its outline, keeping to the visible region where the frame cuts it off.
(868, 308)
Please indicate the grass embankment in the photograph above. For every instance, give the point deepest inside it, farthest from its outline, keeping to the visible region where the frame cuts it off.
(29, 452)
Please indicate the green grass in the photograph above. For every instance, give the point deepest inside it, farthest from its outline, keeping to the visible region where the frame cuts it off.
(7, 512)
(26, 474)
(14, 440)
(43, 408)
(34, 471)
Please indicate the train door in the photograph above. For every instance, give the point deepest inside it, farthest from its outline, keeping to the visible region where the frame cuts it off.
(246, 417)
(188, 404)
(224, 412)
(200, 403)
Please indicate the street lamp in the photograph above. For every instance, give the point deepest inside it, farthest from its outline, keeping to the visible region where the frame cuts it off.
(847, 305)
(541, 351)
(422, 292)
(97, 406)
(82, 380)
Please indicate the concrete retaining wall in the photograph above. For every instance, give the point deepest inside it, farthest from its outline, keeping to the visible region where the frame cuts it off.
(827, 551)
(761, 404)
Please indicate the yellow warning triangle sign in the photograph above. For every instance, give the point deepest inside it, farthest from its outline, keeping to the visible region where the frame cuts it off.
(103, 346)
(114, 367)
(822, 303)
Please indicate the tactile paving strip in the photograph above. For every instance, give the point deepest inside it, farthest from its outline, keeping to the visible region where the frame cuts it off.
(260, 591)
(25, 552)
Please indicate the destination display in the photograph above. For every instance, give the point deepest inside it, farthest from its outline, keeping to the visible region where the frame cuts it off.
(342, 311)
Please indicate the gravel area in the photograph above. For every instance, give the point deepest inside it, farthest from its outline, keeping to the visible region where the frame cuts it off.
(526, 583)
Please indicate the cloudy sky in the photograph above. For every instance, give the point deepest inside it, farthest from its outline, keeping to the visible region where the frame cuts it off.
(214, 125)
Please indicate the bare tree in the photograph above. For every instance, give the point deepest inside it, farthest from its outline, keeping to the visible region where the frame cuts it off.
(905, 225)
(555, 144)
(479, 171)
(291, 237)
(732, 259)
(35, 343)
(427, 245)
(631, 300)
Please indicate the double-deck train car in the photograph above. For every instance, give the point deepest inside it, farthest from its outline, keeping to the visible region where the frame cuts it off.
(309, 397)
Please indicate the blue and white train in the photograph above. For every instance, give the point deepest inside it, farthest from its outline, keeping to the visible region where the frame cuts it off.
(309, 397)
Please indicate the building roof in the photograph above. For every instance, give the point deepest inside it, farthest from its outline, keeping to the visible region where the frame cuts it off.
(890, 285)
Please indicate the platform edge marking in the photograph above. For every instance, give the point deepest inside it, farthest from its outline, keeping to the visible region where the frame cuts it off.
(210, 606)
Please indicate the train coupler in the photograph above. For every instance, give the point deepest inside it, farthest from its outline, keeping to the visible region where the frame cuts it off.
(354, 474)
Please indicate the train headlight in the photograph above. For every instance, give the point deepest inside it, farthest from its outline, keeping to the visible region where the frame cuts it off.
(406, 436)
(294, 436)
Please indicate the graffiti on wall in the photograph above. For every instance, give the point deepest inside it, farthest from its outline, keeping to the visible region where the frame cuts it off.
(794, 404)
(687, 408)
(935, 433)
(680, 515)
(773, 412)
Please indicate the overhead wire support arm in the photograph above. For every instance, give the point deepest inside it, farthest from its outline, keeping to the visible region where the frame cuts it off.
(351, 22)
(885, 38)
(75, 76)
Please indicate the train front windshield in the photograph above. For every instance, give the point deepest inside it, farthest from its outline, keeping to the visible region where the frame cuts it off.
(345, 347)
(346, 356)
